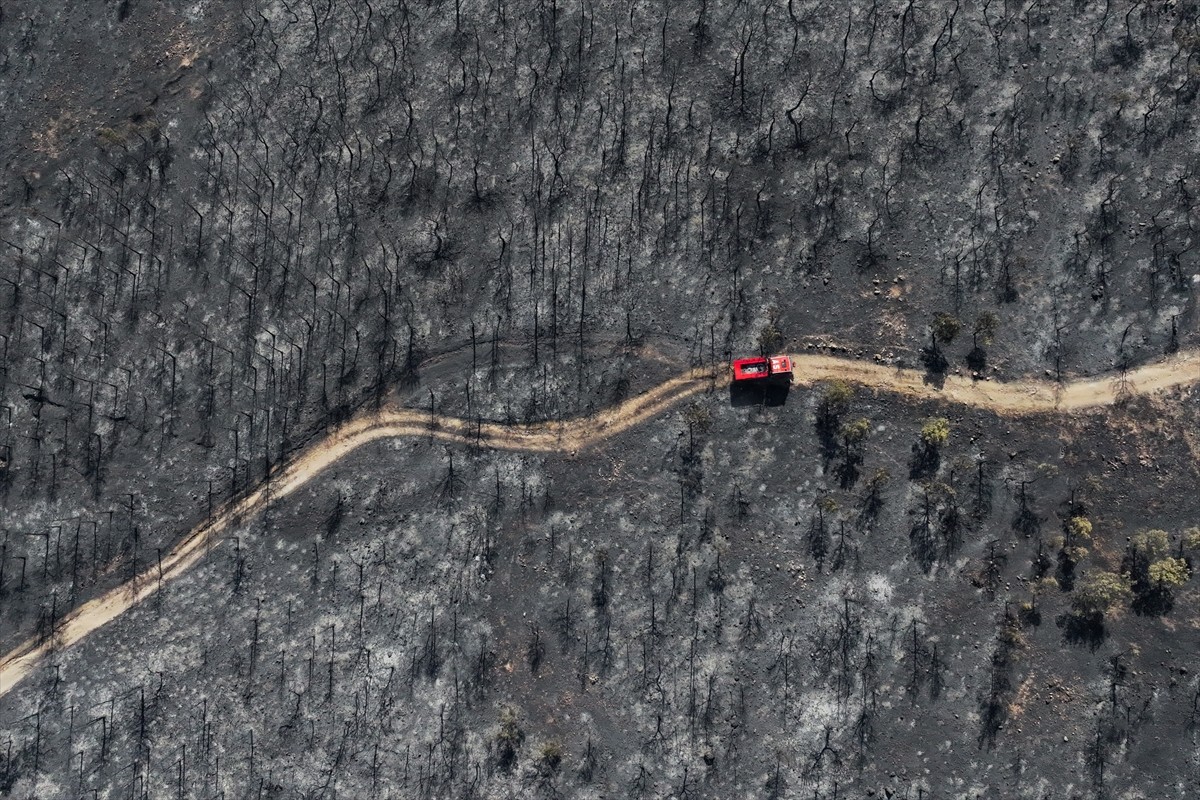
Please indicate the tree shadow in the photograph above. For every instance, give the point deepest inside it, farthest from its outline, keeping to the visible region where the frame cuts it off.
(924, 463)
(1153, 602)
(924, 545)
(848, 470)
(1126, 53)
(993, 711)
(336, 514)
(827, 434)
(935, 363)
(991, 574)
(993, 704)
(1065, 572)
(818, 541)
(952, 530)
(977, 359)
(1030, 615)
(1083, 628)
(872, 504)
(1041, 562)
(1027, 521)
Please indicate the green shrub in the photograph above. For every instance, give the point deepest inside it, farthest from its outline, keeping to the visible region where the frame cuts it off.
(1152, 544)
(111, 137)
(936, 431)
(1099, 591)
(1191, 538)
(837, 396)
(945, 327)
(550, 754)
(985, 328)
(1079, 528)
(1168, 572)
(855, 432)
(508, 739)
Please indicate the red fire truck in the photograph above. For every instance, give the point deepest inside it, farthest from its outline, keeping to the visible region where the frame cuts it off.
(773, 369)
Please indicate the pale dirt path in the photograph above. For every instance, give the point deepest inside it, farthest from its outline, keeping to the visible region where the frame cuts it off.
(1023, 397)
(1016, 398)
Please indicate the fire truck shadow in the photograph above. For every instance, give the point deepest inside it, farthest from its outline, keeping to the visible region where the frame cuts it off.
(770, 394)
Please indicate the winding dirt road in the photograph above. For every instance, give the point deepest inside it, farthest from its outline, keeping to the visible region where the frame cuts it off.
(1017, 398)
(1013, 399)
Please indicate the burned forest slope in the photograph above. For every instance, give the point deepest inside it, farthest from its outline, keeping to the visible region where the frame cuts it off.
(232, 229)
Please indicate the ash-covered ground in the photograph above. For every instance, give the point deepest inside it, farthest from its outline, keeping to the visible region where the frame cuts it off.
(229, 226)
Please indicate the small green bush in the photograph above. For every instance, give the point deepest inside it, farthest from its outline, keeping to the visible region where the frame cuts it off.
(1152, 544)
(1168, 572)
(945, 328)
(936, 431)
(1191, 538)
(1099, 591)
(837, 396)
(854, 432)
(550, 754)
(1080, 528)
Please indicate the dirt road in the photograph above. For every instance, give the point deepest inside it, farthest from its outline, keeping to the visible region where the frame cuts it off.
(1013, 399)
(1017, 398)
